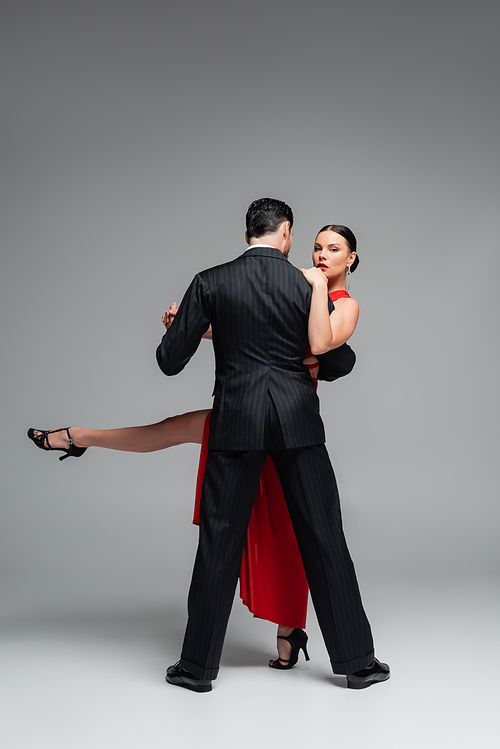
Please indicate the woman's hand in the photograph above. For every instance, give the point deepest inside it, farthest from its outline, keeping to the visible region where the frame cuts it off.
(314, 276)
(168, 316)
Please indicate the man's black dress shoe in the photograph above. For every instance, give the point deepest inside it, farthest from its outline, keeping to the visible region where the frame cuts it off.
(368, 676)
(181, 678)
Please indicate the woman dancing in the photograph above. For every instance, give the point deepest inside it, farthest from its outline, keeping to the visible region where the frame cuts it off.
(272, 578)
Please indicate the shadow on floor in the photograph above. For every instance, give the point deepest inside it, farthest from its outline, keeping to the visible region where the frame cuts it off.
(162, 628)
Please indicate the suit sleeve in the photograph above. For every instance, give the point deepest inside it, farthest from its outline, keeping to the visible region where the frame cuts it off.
(336, 363)
(184, 335)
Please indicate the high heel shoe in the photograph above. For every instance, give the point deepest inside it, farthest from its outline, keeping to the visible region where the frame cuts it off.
(298, 641)
(41, 440)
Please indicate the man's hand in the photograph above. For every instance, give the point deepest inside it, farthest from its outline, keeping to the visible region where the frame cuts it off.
(168, 316)
(313, 371)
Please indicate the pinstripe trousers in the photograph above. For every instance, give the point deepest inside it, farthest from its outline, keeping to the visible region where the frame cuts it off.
(310, 489)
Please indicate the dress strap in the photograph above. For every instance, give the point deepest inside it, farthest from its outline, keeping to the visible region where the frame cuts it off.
(339, 294)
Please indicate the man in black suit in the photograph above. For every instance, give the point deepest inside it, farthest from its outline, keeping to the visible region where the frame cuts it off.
(265, 404)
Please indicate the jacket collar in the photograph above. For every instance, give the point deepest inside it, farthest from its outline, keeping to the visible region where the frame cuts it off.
(261, 250)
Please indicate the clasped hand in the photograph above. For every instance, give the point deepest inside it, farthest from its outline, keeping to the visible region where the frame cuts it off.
(168, 316)
(314, 276)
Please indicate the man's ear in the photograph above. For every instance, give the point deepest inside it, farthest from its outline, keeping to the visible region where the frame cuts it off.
(246, 238)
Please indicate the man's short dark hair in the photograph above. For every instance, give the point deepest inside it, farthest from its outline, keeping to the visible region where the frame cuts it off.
(265, 215)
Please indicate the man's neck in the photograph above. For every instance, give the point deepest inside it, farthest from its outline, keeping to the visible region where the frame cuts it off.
(269, 240)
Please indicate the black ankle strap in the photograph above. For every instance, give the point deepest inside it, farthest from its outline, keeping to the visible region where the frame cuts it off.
(282, 637)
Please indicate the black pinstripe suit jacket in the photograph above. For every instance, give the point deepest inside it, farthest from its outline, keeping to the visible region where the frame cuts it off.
(258, 306)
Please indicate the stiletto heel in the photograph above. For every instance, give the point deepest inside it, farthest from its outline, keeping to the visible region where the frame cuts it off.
(298, 641)
(41, 440)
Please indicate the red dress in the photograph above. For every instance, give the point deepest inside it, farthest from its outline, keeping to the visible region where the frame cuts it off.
(273, 583)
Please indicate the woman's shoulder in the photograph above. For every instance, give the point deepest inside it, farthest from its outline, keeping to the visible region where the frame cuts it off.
(348, 308)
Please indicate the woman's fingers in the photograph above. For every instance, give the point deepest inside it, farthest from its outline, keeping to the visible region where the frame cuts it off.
(313, 275)
(168, 316)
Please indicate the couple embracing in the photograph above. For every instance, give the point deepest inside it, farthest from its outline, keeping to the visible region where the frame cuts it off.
(263, 313)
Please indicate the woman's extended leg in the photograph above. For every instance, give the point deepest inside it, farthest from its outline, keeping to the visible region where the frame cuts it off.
(175, 430)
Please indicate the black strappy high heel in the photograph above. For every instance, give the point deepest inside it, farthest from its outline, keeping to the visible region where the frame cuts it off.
(298, 641)
(41, 440)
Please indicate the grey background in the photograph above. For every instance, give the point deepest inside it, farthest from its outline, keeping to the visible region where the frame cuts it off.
(134, 136)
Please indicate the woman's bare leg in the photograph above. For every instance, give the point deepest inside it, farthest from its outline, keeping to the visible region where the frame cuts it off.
(175, 430)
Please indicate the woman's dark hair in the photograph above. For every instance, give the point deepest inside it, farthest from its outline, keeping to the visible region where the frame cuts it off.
(265, 215)
(348, 235)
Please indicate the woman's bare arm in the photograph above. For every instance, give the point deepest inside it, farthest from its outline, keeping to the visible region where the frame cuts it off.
(326, 331)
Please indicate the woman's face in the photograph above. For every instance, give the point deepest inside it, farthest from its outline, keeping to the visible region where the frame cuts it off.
(332, 254)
